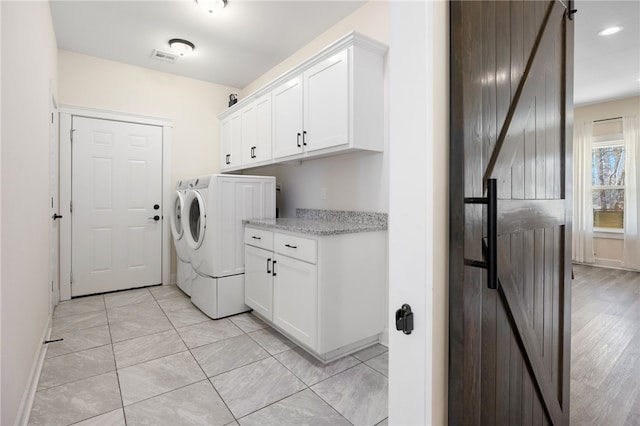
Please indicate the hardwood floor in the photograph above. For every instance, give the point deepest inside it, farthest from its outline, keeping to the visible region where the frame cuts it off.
(605, 347)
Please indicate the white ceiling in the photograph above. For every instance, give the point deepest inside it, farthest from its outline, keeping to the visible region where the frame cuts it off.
(249, 37)
(233, 48)
(606, 67)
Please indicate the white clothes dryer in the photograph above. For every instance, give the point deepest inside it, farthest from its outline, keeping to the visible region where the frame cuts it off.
(183, 263)
(215, 207)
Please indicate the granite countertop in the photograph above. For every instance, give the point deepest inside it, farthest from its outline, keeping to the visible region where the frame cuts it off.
(325, 222)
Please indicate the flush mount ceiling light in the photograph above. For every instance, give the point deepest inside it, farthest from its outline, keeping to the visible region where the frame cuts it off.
(212, 6)
(610, 30)
(181, 47)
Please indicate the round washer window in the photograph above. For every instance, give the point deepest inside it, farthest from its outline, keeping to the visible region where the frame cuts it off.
(194, 219)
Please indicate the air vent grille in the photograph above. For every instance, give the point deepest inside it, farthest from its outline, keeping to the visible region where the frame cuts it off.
(163, 56)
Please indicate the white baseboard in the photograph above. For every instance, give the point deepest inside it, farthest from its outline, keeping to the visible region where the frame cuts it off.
(24, 411)
(607, 263)
(384, 337)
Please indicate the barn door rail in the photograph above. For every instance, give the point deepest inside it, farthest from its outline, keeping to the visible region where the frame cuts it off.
(491, 264)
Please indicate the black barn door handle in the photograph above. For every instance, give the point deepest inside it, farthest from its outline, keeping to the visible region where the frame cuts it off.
(491, 264)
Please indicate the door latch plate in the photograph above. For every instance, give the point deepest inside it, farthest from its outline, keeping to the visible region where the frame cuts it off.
(404, 319)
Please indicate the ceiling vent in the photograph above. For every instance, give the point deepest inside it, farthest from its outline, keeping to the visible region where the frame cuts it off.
(164, 56)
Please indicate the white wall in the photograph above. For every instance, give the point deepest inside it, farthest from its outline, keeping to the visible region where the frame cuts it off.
(193, 105)
(27, 68)
(358, 181)
(607, 251)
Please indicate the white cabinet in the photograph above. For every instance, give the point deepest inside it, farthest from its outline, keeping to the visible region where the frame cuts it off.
(326, 293)
(311, 111)
(256, 131)
(258, 289)
(330, 104)
(314, 114)
(326, 103)
(295, 297)
(230, 141)
(287, 118)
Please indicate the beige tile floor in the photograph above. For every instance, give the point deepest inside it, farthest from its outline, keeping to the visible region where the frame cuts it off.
(148, 357)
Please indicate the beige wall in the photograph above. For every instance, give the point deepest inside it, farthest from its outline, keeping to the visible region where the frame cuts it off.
(193, 105)
(28, 67)
(607, 251)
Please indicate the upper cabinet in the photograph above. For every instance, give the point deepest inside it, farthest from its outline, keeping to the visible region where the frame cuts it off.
(230, 141)
(332, 103)
(256, 131)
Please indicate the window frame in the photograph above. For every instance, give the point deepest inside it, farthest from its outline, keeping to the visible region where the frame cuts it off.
(607, 141)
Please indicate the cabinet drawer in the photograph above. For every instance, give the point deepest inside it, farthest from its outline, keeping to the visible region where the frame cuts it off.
(258, 238)
(296, 247)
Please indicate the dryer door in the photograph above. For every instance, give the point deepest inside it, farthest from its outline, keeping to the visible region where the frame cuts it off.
(177, 207)
(196, 219)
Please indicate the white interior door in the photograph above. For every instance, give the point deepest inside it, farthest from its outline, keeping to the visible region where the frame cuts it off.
(116, 197)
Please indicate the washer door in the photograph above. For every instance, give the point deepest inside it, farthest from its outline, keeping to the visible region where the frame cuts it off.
(196, 219)
(177, 207)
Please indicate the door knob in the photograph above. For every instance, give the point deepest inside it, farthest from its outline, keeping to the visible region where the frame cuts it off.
(56, 216)
(156, 218)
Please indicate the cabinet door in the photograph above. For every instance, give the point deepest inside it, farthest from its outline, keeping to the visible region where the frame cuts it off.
(258, 282)
(249, 134)
(230, 141)
(326, 103)
(295, 292)
(287, 119)
(264, 127)
(225, 143)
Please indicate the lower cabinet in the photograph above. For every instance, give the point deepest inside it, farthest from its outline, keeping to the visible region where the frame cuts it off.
(258, 281)
(295, 299)
(325, 293)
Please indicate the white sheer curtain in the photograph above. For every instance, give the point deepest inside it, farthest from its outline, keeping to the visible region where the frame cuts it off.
(582, 241)
(631, 133)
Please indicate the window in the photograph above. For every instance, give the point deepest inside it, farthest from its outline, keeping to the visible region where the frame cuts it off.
(607, 171)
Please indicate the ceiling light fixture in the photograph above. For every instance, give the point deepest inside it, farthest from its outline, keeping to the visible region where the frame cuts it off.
(212, 6)
(181, 47)
(610, 30)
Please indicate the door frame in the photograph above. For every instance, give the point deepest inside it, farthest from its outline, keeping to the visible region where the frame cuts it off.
(418, 149)
(54, 242)
(66, 112)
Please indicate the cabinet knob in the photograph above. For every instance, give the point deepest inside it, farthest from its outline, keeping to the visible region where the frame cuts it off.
(298, 141)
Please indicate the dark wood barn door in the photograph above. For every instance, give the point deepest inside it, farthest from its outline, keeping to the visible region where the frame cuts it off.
(511, 138)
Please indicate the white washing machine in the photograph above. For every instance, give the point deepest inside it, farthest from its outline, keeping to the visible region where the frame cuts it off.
(183, 273)
(215, 207)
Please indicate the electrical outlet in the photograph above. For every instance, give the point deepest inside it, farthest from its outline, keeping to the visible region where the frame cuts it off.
(323, 193)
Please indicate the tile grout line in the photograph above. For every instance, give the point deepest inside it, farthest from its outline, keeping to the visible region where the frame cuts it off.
(308, 387)
(124, 414)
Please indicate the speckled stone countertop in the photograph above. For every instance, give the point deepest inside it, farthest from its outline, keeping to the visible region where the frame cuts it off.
(325, 222)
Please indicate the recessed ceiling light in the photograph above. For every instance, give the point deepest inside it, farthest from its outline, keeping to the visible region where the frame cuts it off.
(610, 30)
(181, 47)
(212, 6)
